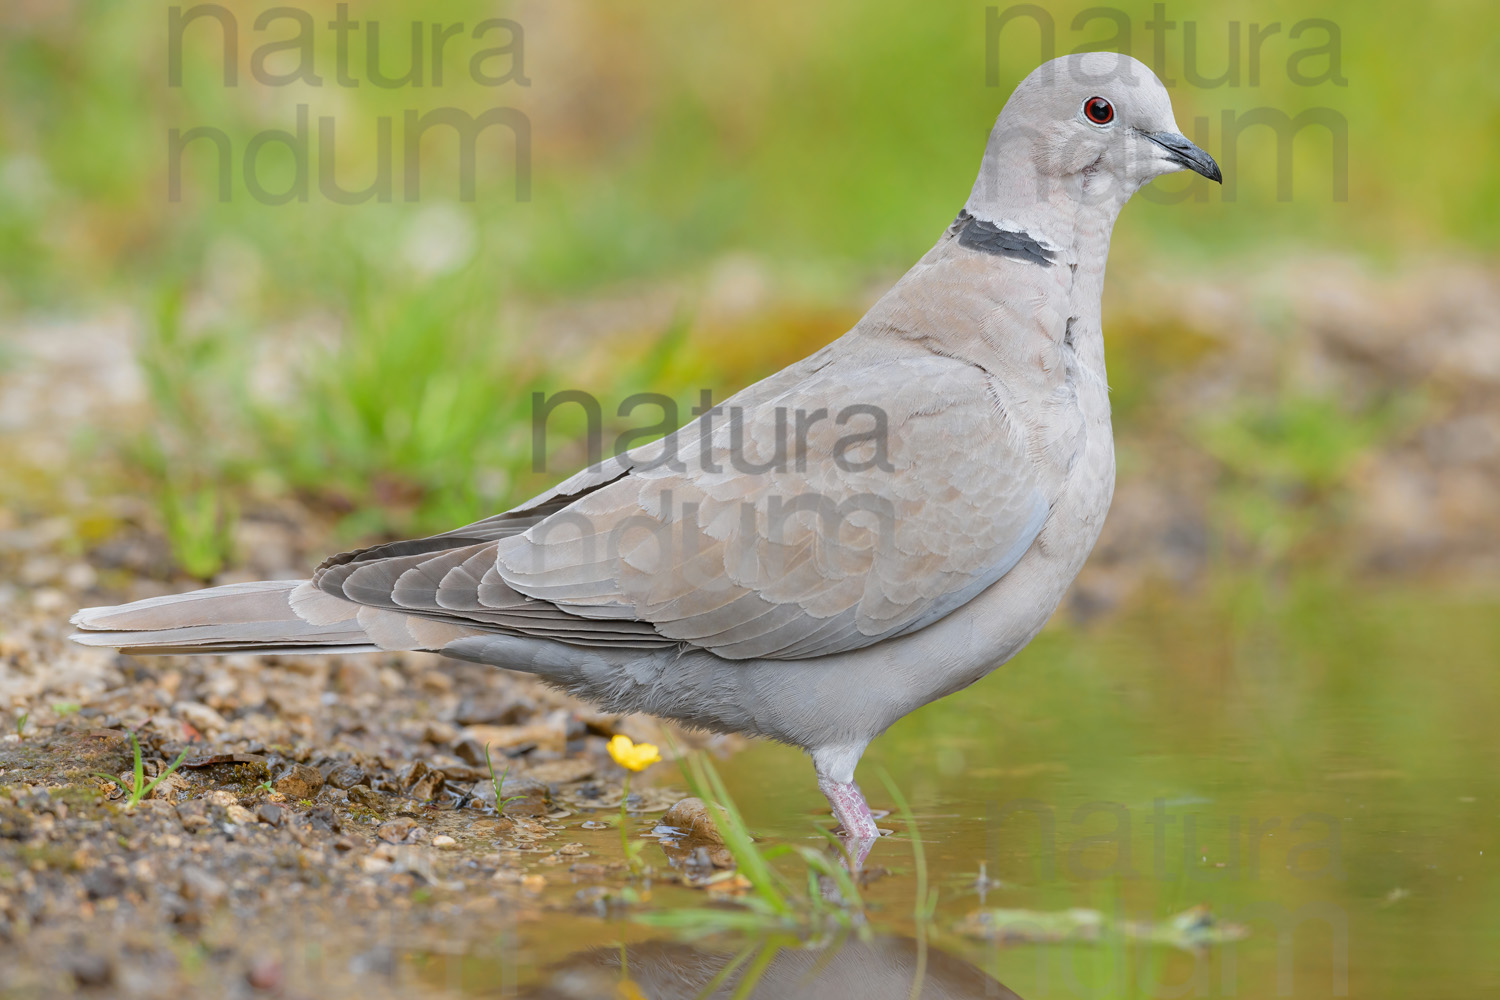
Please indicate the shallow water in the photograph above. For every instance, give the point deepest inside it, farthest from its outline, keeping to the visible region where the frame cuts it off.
(1318, 765)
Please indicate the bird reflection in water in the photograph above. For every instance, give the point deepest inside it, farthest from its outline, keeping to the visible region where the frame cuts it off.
(880, 968)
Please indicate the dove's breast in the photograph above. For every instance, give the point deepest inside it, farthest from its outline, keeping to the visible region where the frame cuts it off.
(1043, 360)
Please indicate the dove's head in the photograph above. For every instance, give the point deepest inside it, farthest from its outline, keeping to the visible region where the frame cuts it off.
(1090, 128)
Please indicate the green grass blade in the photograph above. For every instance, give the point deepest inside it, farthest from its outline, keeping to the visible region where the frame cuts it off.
(926, 904)
(707, 784)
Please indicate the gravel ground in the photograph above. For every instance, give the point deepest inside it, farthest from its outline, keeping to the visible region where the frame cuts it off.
(341, 801)
(334, 817)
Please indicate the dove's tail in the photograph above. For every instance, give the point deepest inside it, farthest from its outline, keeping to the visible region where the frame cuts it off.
(272, 616)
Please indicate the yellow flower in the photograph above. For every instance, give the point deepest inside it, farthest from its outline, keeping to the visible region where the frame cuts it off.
(626, 989)
(631, 755)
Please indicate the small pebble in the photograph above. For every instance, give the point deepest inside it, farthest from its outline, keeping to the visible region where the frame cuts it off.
(201, 717)
(363, 795)
(440, 733)
(193, 814)
(692, 817)
(346, 776)
(428, 788)
(396, 831)
(471, 751)
(435, 681)
(91, 969)
(198, 885)
(300, 782)
(264, 973)
(444, 842)
(103, 882)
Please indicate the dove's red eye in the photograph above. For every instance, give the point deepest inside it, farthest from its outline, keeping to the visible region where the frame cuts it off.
(1099, 111)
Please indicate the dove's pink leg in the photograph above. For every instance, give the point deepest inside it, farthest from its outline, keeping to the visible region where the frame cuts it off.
(835, 767)
(853, 814)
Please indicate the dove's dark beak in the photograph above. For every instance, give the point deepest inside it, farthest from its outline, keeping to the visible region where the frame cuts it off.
(1181, 151)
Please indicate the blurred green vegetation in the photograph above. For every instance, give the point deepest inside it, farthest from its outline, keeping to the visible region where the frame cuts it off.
(832, 139)
(827, 143)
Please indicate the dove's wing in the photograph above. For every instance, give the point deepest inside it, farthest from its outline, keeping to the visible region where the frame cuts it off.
(905, 499)
(567, 492)
(856, 502)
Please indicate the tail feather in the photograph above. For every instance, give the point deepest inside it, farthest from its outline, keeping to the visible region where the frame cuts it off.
(241, 617)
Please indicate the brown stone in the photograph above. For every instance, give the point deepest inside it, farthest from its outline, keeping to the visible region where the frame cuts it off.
(545, 735)
(346, 776)
(691, 816)
(560, 772)
(428, 788)
(396, 831)
(299, 782)
(364, 795)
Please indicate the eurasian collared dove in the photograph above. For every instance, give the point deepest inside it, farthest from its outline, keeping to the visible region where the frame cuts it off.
(868, 530)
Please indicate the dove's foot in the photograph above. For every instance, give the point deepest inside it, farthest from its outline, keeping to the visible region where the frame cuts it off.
(854, 816)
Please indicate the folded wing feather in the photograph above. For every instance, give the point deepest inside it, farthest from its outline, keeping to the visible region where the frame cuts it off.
(791, 535)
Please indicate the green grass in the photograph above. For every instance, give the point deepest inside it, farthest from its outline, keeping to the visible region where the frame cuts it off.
(1288, 466)
(411, 415)
(412, 418)
(139, 787)
(924, 896)
(1301, 442)
(501, 801)
(795, 890)
(200, 527)
(799, 897)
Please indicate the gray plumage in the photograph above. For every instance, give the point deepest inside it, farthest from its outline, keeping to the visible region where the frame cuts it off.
(816, 588)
